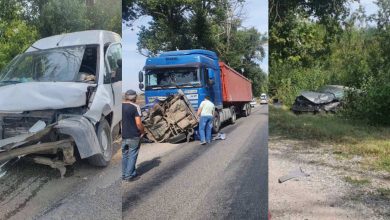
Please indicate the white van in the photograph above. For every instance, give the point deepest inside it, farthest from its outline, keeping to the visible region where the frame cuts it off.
(64, 91)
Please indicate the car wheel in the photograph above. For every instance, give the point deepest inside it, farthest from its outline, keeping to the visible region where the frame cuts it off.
(105, 141)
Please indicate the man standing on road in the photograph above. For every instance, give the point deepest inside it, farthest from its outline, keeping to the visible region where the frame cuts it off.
(206, 112)
(132, 131)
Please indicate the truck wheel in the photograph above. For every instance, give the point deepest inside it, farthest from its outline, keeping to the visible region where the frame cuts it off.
(249, 109)
(245, 112)
(216, 123)
(234, 115)
(105, 141)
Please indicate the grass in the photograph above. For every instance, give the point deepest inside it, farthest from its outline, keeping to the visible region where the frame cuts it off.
(355, 181)
(348, 137)
(384, 192)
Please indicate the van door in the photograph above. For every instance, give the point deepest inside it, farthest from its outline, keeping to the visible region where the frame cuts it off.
(113, 63)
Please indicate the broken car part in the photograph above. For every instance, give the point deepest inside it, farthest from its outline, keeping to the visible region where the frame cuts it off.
(328, 98)
(293, 174)
(171, 120)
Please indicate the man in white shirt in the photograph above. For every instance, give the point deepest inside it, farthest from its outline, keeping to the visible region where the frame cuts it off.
(206, 113)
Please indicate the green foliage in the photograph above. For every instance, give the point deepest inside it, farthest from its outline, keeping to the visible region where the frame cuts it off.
(15, 37)
(203, 24)
(24, 21)
(59, 17)
(312, 46)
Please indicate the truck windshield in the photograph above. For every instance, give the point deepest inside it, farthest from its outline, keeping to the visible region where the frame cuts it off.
(181, 77)
(59, 64)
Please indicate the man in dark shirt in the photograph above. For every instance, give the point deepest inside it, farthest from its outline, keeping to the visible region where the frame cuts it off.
(132, 131)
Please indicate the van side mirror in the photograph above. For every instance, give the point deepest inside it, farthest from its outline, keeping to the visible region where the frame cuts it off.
(141, 86)
(140, 76)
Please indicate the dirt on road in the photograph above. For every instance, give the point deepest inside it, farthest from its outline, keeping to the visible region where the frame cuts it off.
(33, 191)
(336, 188)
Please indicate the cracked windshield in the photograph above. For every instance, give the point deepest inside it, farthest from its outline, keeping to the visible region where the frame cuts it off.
(60, 64)
(184, 77)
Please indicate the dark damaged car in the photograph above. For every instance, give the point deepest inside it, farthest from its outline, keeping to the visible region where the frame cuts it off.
(62, 97)
(327, 99)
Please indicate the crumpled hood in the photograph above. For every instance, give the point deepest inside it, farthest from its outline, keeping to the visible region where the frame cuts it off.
(42, 96)
(318, 98)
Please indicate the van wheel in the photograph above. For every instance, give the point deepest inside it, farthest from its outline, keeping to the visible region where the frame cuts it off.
(234, 115)
(105, 141)
(216, 123)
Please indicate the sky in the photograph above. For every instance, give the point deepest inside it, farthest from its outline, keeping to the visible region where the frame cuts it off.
(369, 6)
(133, 62)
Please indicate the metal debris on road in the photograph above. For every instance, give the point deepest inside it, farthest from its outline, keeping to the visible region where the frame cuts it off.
(220, 136)
(293, 174)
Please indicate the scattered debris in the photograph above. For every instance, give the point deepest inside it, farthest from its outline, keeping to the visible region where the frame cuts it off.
(293, 174)
(220, 136)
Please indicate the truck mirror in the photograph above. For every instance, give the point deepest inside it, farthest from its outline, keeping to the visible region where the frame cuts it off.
(140, 76)
(211, 73)
(141, 86)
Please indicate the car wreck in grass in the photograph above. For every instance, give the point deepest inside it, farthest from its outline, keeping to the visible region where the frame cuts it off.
(170, 120)
(62, 96)
(327, 99)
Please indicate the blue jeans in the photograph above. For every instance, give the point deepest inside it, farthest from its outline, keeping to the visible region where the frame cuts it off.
(205, 127)
(130, 149)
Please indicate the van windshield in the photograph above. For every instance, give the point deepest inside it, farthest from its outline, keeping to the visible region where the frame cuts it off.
(59, 64)
(177, 77)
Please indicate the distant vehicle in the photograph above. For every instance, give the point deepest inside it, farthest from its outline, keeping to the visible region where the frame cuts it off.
(327, 98)
(66, 92)
(198, 73)
(263, 99)
(253, 102)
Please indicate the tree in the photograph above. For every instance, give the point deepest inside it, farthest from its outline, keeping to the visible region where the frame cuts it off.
(59, 17)
(15, 34)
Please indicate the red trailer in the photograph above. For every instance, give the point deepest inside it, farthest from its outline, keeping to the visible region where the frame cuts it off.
(235, 87)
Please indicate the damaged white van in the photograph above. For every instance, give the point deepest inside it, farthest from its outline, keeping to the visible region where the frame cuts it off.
(62, 98)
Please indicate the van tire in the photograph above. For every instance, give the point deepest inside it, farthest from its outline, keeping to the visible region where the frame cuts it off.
(105, 141)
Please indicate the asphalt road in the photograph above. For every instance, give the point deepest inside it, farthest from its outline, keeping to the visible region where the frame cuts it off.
(33, 191)
(227, 179)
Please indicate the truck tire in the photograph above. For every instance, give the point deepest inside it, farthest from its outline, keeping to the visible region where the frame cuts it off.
(234, 115)
(249, 109)
(216, 123)
(245, 112)
(105, 141)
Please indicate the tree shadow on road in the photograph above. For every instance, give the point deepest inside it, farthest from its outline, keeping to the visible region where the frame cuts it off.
(146, 166)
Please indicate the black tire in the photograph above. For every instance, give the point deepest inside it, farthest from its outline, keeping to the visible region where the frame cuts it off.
(249, 109)
(216, 123)
(105, 141)
(245, 112)
(234, 115)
